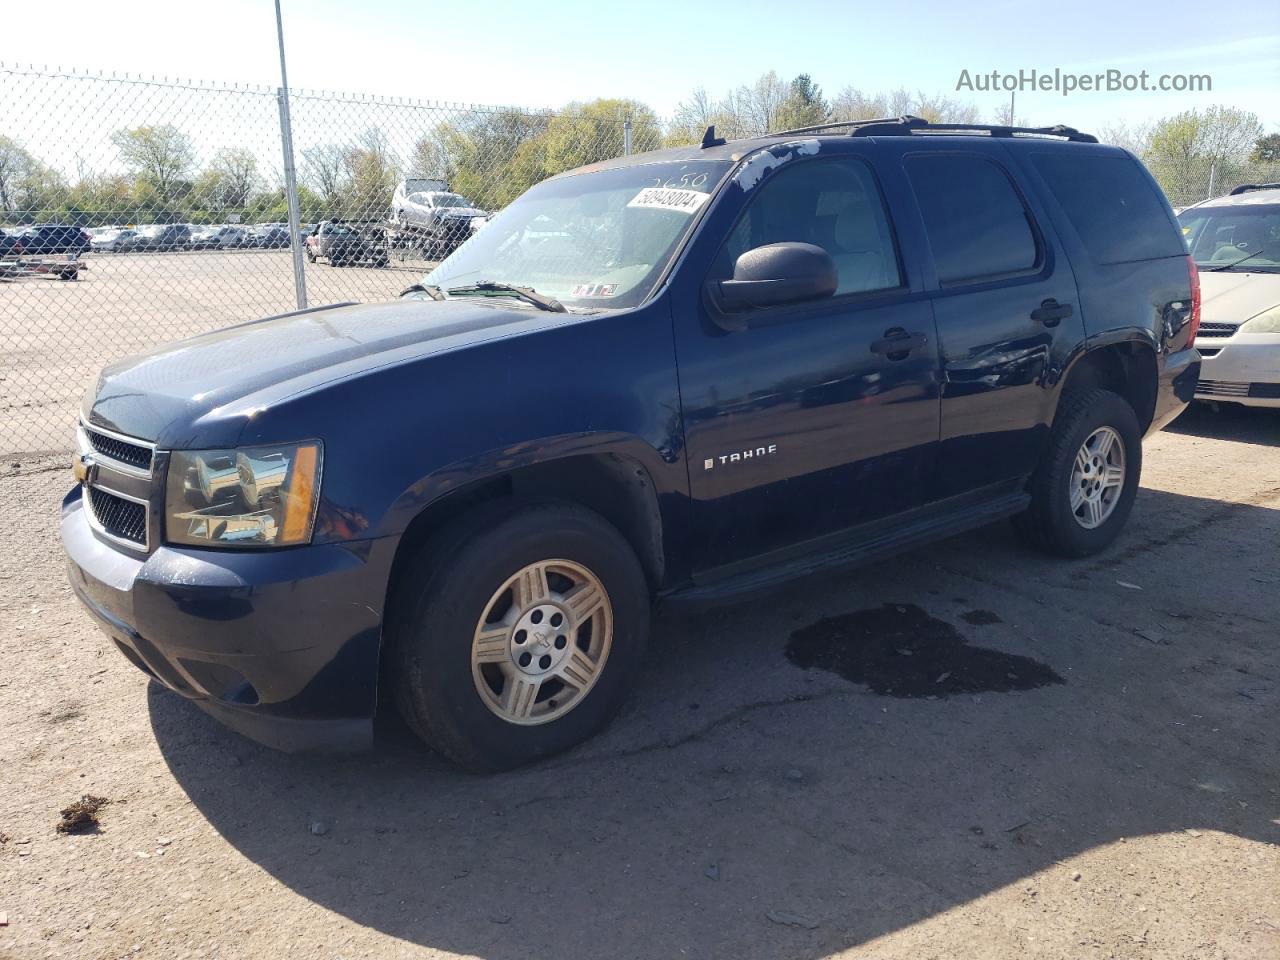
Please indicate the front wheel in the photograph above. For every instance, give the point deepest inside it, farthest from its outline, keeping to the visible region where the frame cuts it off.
(517, 633)
(1083, 489)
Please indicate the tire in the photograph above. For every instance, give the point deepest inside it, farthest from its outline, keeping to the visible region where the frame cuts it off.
(311, 255)
(1053, 523)
(457, 579)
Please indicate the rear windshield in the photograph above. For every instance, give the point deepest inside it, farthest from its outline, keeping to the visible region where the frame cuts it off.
(1113, 206)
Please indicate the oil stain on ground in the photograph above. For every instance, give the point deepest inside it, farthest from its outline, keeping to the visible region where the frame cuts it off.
(900, 651)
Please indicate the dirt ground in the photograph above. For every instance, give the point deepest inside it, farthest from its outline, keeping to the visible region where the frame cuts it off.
(779, 787)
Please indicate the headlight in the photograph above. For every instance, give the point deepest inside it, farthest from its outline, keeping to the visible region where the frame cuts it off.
(252, 497)
(1268, 321)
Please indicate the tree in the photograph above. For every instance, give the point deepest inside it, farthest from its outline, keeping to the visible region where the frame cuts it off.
(15, 165)
(325, 166)
(804, 105)
(1267, 149)
(1194, 148)
(372, 173)
(1135, 138)
(162, 155)
(492, 157)
(583, 133)
(238, 169)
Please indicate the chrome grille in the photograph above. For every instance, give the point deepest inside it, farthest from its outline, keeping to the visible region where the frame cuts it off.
(119, 517)
(1210, 329)
(133, 454)
(1222, 388)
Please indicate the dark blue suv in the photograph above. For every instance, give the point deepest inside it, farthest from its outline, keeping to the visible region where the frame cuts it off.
(689, 373)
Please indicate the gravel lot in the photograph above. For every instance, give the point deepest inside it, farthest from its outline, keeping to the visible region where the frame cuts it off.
(742, 806)
(125, 304)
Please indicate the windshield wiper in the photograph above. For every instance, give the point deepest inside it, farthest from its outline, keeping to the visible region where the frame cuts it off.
(430, 289)
(1235, 263)
(527, 294)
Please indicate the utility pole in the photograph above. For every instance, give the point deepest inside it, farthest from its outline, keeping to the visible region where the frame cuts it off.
(290, 175)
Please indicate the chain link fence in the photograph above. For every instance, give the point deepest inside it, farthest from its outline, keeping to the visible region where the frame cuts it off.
(137, 211)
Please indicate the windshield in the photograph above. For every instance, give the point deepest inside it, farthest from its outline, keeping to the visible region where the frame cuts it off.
(1244, 234)
(591, 240)
(448, 200)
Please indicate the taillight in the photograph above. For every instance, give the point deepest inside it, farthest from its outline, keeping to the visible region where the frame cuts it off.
(1193, 324)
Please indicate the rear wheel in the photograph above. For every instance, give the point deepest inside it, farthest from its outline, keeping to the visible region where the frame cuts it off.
(517, 633)
(1083, 489)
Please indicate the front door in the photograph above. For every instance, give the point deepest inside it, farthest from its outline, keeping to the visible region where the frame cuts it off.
(816, 416)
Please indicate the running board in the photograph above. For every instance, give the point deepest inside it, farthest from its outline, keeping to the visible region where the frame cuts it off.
(849, 549)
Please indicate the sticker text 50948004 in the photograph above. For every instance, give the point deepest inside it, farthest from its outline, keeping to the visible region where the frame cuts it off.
(669, 198)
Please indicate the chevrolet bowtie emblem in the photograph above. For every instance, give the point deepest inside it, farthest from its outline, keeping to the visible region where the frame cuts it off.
(84, 467)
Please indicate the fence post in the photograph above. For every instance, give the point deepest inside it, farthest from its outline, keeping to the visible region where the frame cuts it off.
(1213, 175)
(626, 137)
(291, 194)
(290, 176)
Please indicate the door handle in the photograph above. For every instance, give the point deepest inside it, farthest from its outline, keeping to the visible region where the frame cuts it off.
(1051, 312)
(897, 343)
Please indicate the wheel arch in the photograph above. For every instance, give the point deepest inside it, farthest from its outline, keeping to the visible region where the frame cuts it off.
(1126, 367)
(618, 487)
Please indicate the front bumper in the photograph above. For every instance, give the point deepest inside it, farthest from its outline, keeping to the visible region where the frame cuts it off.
(280, 645)
(1242, 368)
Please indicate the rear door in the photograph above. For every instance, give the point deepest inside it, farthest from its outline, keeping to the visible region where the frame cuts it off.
(808, 421)
(1005, 302)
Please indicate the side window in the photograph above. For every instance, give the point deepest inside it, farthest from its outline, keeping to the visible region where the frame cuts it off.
(833, 203)
(1112, 205)
(975, 220)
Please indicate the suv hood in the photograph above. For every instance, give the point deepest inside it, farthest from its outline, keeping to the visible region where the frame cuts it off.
(1230, 297)
(205, 389)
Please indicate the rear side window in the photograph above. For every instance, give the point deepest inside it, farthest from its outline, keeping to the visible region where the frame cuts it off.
(977, 224)
(1112, 205)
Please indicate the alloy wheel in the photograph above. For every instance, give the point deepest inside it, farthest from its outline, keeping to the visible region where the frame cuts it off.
(1097, 478)
(542, 642)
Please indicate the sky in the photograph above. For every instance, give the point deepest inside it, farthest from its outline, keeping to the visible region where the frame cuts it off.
(549, 52)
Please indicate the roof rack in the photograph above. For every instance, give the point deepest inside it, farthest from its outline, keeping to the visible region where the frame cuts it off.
(1248, 187)
(908, 125)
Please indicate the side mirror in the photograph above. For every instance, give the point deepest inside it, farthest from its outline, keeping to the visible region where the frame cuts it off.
(779, 273)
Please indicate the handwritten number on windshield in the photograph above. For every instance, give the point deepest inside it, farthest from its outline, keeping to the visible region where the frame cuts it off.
(685, 181)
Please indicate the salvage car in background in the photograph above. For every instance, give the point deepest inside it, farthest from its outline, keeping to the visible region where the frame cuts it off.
(1235, 241)
(347, 241)
(47, 238)
(112, 240)
(267, 236)
(445, 220)
(157, 238)
(217, 237)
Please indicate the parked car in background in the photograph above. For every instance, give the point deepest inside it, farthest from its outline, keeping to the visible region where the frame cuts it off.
(112, 240)
(158, 238)
(268, 236)
(343, 241)
(10, 246)
(225, 236)
(1235, 241)
(48, 238)
(697, 372)
(445, 220)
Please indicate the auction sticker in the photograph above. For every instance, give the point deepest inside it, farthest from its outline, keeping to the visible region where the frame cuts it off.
(668, 198)
(595, 290)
